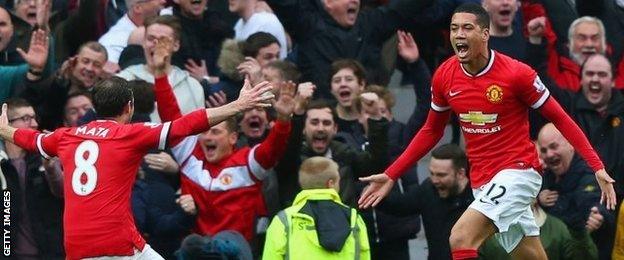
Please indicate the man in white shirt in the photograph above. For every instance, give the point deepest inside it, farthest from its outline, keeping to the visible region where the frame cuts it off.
(252, 21)
(116, 39)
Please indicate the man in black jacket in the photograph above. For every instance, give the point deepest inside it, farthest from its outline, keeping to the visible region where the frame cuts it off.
(35, 192)
(327, 30)
(49, 94)
(203, 32)
(317, 123)
(440, 199)
(571, 193)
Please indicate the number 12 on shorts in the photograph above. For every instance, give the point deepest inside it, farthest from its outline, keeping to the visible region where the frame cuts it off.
(86, 167)
(498, 190)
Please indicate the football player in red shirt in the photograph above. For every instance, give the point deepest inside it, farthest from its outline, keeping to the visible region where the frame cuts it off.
(490, 93)
(100, 160)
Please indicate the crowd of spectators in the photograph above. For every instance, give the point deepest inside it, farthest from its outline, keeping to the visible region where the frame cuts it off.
(329, 62)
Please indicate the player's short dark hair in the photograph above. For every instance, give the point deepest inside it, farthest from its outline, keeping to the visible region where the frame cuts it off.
(257, 41)
(167, 20)
(143, 96)
(358, 70)
(323, 104)
(110, 96)
(289, 70)
(483, 18)
(451, 152)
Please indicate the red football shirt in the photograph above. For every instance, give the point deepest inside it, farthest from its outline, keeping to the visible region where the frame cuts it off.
(100, 161)
(492, 108)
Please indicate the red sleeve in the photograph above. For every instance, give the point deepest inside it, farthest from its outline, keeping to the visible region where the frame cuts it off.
(147, 136)
(34, 141)
(552, 111)
(167, 104)
(192, 123)
(438, 100)
(619, 75)
(425, 139)
(265, 155)
(529, 86)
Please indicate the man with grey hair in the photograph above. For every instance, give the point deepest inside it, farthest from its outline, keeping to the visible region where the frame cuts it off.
(586, 36)
(116, 39)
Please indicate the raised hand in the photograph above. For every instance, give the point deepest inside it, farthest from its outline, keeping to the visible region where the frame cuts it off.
(305, 91)
(379, 185)
(162, 162)
(408, 50)
(285, 104)
(548, 198)
(43, 13)
(594, 221)
(161, 57)
(197, 71)
(187, 204)
(606, 187)
(252, 69)
(370, 105)
(216, 99)
(37, 51)
(4, 118)
(536, 28)
(256, 96)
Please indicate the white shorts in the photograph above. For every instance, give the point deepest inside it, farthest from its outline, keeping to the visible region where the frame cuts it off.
(506, 200)
(148, 253)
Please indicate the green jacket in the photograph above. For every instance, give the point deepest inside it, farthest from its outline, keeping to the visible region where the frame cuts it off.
(317, 226)
(559, 243)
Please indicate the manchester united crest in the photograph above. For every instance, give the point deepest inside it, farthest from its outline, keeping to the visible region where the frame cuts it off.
(494, 94)
(225, 179)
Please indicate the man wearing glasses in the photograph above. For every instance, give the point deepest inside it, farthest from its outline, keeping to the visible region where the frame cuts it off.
(35, 193)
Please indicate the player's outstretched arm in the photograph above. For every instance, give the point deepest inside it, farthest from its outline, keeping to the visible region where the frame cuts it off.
(553, 112)
(381, 184)
(249, 97)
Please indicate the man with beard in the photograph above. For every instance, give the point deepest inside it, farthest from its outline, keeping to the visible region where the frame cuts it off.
(570, 192)
(440, 199)
(598, 108)
(491, 94)
(586, 37)
(318, 124)
(79, 73)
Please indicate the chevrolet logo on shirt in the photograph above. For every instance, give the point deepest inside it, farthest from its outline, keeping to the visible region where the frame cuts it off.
(478, 118)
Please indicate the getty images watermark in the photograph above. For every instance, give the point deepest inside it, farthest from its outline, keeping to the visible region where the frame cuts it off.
(6, 223)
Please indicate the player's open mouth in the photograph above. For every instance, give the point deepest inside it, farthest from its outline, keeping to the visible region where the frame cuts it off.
(462, 49)
(504, 12)
(196, 2)
(31, 15)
